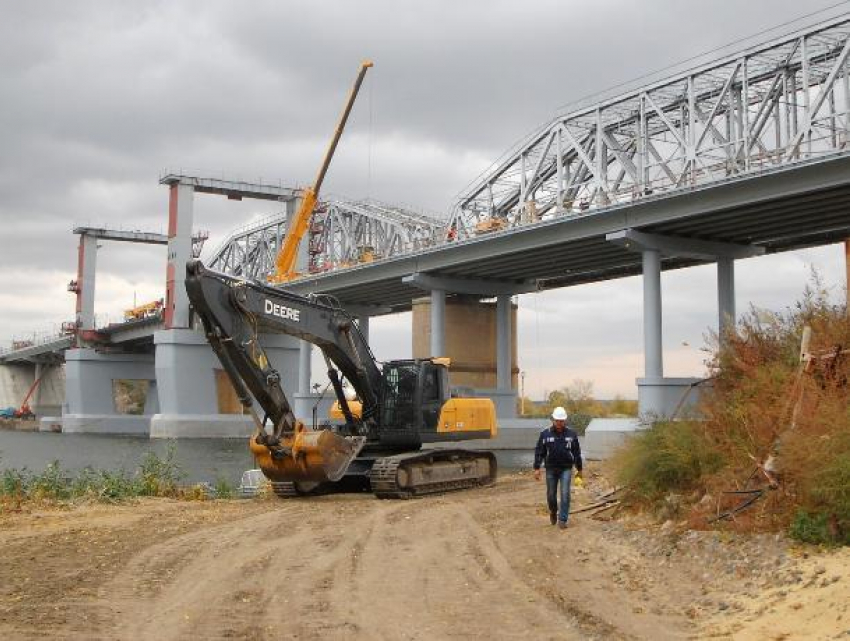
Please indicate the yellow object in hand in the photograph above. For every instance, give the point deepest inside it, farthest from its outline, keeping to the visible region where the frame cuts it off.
(579, 481)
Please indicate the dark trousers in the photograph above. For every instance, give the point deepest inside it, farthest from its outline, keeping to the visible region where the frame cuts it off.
(554, 477)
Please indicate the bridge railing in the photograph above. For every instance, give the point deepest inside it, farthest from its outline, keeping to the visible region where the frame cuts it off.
(33, 340)
(775, 104)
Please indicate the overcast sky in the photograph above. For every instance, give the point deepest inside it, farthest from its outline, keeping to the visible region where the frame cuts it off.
(98, 99)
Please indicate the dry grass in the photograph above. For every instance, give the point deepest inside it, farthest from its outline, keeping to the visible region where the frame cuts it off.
(749, 415)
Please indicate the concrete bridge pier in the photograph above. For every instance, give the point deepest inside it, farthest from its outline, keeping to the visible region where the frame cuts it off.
(305, 398)
(196, 399)
(504, 396)
(660, 396)
(726, 294)
(95, 385)
(479, 337)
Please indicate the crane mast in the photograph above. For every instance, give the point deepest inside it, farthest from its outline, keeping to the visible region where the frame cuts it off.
(285, 262)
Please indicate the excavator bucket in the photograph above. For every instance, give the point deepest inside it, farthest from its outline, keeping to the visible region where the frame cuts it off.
(318, 456)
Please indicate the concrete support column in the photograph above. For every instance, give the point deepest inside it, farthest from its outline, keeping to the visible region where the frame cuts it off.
(503, 342)
(438, 322)
(180, 204)
(305, 355)
(726, 294)
(40, 370)
(652, 344)
(363, 325)
(86, 270)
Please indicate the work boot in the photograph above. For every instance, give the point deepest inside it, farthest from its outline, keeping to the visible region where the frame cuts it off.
(553, 518)
(562, 525)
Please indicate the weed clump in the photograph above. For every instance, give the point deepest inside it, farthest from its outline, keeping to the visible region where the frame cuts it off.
(670, 457)
(156, 475)
(222, 489)
(159, 476)
(765, 406)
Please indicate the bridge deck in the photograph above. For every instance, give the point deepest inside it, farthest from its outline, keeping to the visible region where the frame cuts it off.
(789, 207)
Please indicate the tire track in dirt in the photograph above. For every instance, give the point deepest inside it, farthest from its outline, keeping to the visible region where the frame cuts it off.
(427, 571)
(474, 563)
(206, 583)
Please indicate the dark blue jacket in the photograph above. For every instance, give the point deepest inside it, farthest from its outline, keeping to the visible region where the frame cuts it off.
(558, 450)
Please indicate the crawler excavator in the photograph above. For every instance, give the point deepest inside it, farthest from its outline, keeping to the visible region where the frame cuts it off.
(401, 405)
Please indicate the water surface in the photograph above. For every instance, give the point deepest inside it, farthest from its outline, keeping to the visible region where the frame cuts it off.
(200, 459)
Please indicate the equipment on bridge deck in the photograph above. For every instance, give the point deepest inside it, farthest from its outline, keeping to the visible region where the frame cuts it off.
(401, 406)
(141, 312)
(490, 225)
(285, 263)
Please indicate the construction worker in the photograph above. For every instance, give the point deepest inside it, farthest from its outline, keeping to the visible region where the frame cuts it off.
(559, 449)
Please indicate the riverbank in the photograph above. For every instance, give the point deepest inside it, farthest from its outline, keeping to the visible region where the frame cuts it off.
(19, 424)
(468, 564)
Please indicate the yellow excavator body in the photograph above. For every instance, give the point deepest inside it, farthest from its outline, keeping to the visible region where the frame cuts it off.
(461, 415)
(356, 408)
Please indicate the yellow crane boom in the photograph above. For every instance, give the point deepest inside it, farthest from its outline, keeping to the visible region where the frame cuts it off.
(285, 262)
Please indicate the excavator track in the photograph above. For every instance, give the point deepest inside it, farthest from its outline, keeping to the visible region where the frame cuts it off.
(405, 476)
(292, 489)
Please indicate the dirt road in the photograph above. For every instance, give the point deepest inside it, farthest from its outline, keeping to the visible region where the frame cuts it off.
(483, 563)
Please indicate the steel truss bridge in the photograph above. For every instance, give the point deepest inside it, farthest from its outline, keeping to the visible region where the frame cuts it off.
(342, 233)
(776, 105)
(773, 105)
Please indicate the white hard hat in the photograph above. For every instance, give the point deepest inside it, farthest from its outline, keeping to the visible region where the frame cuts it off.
(559, 414)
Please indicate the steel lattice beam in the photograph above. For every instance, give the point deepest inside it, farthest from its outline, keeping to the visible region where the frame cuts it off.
(342, 233)
(776, 104)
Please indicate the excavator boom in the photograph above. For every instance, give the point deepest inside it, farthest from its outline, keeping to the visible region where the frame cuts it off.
(234, 313)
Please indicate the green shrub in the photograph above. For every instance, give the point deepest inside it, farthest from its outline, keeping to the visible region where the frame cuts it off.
(815, 529)
(671, 456)
(14, 483)
(116, 486)
(223, 488)
(52, 483)
(826, 492)
(103, 485)
(579, 422)
(160, 476)
(156, 476)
